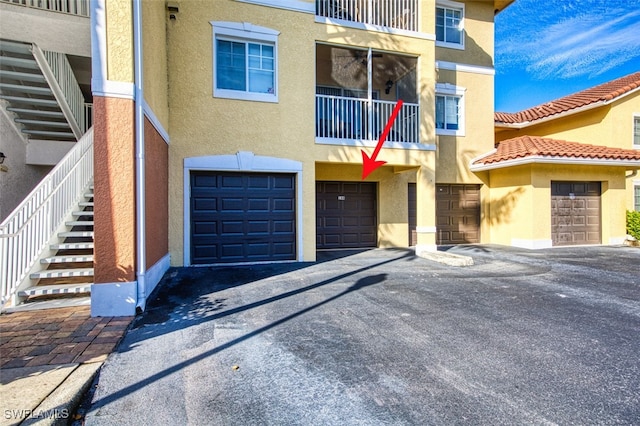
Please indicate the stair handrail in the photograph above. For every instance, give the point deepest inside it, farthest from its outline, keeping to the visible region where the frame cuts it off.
(25, 233)
(72, 7)
(65, 88)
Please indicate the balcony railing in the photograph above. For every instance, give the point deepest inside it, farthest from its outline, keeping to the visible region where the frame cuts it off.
(72, 7)
(339, 117)
(399, 14)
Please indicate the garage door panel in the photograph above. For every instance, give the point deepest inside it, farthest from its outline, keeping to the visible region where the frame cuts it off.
(575, 213)
(346, 214)
(237, 217)
(457, 213)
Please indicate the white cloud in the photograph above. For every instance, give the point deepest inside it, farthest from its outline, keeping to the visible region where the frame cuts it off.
(576, 38)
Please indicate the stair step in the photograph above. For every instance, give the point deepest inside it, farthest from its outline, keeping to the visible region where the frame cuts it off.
(48, 133)
(86, 203)
(62, 273)
(22, 76)
(79, 223)
(30, 101)
(61, 124)
(67, 259)
(75, 234)
(15, 46)
(83, 213)
(88, 195)
(47, 290)
(27, 111)
(19, 62)
(72, 246)
(36, 90)
(66, 302)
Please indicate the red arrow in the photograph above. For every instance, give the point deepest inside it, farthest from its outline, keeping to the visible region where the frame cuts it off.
(369, 164)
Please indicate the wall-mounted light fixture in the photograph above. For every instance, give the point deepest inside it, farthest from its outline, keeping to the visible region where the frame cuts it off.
(173, 9)
(388, 85)
(3, 168)
(2, 157)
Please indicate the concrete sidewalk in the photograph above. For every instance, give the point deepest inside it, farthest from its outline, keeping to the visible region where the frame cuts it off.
(48, 359)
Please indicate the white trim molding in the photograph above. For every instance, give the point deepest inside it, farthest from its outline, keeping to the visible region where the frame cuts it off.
(375, 28)
(112, 89)
(153, 119)
(474, 69)
(114, 299)
(155, 273)
(294, 5)
(457, 6)
(448, 89)
(371, 144)
(539, 159)
(242, 161)
(244, 32)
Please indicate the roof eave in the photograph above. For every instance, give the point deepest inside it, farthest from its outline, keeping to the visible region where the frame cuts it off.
(537, 159)
(500, 5)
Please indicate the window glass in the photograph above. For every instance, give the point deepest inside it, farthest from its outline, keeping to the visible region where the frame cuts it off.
(449, 25)
(245, 66)
(447, 112)
(636, 131)
(230, 69)
(636, 199)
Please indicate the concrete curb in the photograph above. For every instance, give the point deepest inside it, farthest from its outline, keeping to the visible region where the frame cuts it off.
(446, 258)
(57, 408)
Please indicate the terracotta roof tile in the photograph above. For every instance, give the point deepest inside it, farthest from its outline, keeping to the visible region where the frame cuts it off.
(602, 93)
(529, 146)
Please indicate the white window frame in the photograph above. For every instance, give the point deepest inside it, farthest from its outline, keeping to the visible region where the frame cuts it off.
(636, 116)
(447, 89)
(247, 33)
(452, 5)
(636, 200)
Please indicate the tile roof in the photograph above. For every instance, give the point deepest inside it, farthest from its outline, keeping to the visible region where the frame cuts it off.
(535, 146)
(602, 93)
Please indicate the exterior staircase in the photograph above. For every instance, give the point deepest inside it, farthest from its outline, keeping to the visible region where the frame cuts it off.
(69, 272)
(40, 91)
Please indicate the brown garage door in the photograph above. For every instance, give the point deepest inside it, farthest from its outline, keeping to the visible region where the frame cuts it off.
(575, 213)
(346, 215)
(457, 214)
(413, 214)
(242, 217)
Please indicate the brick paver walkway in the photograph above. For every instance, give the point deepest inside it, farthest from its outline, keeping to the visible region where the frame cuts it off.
(58, 336)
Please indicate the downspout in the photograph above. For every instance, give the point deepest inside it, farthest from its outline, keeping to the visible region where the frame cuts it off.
(633, 174)
(141, 254)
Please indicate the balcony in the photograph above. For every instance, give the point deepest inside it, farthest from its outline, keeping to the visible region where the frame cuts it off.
(356, 92)
(397, 14)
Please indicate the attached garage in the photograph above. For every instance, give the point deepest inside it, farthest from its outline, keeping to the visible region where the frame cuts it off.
(457, 214)
(346, 215)
(242, 217)
(575, 213)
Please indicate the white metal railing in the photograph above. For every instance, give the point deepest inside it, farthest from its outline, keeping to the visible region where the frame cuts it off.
(63, 74)
(73, 7)
(26, 231)
(400, 14)
(339, 117)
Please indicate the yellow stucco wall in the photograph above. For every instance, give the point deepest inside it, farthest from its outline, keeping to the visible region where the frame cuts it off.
(609, 125)
(479, 133)
(203, 125)
(119, 36)
(478, 42)
(154, 21)
(520, 201)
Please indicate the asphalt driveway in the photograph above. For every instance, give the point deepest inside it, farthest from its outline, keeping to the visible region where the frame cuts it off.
(384, 337)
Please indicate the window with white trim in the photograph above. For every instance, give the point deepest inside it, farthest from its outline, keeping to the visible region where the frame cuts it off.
(245, 62)
(636, 131)
(636, 197)
(450, 24)
(449, 110)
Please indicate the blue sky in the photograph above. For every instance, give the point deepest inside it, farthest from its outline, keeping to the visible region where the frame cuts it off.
(546, 49)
